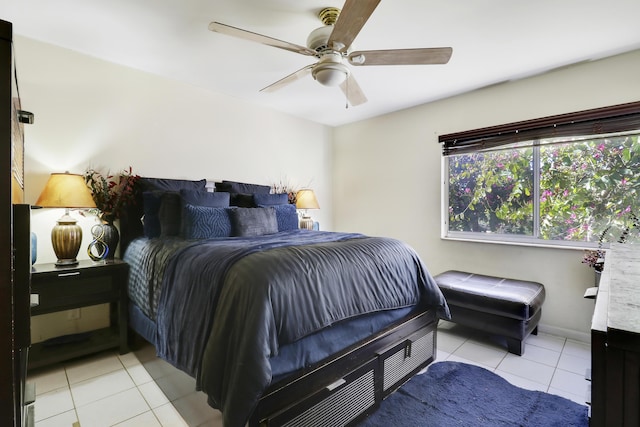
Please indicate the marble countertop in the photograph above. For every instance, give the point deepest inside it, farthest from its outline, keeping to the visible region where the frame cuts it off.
(622, 285)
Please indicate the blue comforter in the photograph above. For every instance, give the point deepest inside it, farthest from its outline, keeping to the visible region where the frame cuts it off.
(226, 305)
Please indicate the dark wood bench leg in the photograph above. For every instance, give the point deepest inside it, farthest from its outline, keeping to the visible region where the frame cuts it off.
(515, 346)
(535, 331)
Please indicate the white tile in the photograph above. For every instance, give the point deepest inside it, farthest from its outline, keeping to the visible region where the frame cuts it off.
(139, 374)
(147, 419)
(541, 355)
(158, 368)
(195, 411)
(53, 403)
(66, 419)
(129, 359)
(113, 409)
(176, 384)
(100, 387)
(169, 416)
(154, 396)
(441, 355)
(570, 382)
(528, 369)
(521, 382)
(578, 349)
(84, 369)
(49, 379)
(481, 354)
(550, 342)
(574, 364)
(449, 342)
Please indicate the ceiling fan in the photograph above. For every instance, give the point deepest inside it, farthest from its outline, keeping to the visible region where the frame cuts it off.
(331, 44)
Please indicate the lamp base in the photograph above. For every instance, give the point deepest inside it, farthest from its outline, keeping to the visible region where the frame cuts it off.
(66, 238)
(306, 223)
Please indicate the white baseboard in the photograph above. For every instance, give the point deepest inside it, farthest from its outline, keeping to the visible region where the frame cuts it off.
(566, 333)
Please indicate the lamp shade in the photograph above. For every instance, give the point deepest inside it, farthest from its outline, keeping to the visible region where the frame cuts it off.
(66, 190)
(306, 199)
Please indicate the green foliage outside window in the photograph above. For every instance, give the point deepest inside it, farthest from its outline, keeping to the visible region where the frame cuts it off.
(585, 188)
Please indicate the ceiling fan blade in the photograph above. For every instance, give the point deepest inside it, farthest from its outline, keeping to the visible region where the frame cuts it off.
(352, 91)
(434, 55)
(353, 16)
(217, 27)
(302, 72)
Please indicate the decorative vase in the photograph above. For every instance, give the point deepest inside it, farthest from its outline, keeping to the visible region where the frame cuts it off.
(111, 238)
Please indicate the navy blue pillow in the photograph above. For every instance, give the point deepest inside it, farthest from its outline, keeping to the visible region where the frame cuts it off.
(242, 187)
(242, 200)
(250, 222)
(170, 214)
(205, 198)
(286, 217)
(151, 219)
(203, 222)
(271, 199)
(165, 184)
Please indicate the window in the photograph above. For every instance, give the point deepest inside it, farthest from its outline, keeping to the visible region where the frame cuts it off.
(565, 180)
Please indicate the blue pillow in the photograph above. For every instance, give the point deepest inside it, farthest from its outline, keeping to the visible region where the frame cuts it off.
(242, 187)
(203, 222)
(271, 199)
(205, 198)
(286, 217)
(151, 219)
(176, 185)
(250, 222)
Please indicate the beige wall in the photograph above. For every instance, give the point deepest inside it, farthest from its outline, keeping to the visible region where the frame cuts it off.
(387, 178)
(380, 176)
(90, 112)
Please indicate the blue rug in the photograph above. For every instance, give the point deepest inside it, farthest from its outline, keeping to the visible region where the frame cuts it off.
(458, 394)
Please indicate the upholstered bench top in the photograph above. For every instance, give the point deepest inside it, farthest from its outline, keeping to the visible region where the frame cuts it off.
(517, 299)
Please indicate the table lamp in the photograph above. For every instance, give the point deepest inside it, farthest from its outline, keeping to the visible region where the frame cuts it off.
(66, 190)
(306, 199)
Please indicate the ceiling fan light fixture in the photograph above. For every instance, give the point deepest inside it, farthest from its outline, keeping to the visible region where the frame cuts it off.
(330, 74)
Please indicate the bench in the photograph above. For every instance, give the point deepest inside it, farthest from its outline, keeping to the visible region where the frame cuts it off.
(506, 307)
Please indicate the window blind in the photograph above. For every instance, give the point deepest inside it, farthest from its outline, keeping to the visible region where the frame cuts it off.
(617, 118)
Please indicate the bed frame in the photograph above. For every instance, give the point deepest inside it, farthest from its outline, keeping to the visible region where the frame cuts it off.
(340, 390)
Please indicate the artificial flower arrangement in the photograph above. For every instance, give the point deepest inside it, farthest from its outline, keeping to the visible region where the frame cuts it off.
(110, 192)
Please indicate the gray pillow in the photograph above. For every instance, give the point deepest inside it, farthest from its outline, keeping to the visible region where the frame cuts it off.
(247, 222)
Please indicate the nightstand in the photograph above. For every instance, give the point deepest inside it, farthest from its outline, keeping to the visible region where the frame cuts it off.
(85, 284)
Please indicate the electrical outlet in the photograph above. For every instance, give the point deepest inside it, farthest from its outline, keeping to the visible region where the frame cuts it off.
(73, 314)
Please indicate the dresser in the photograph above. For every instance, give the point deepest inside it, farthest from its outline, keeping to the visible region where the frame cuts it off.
(615, 341)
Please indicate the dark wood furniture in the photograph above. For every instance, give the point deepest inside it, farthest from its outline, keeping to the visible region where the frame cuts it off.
(88, 283)
(15, 256)
(507, 307)
(350, 385)
(615, 341)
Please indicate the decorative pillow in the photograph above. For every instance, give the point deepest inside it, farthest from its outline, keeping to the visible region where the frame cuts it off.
(286, 217)
(241, 200)
(248, 222)
(270, 199)
(205, 198)
(176, 185)
(151, 219)
(242, 187)
(130, 218)
(203, 222)
(170, 214)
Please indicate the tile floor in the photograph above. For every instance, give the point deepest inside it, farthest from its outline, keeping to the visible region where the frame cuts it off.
(140, 390)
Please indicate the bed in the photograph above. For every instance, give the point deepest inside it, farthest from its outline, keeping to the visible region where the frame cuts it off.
(279, 326)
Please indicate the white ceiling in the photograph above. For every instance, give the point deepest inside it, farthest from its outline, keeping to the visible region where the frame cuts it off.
(492, 40)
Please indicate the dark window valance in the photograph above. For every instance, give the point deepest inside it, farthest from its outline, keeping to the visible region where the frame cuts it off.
(617, 118)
